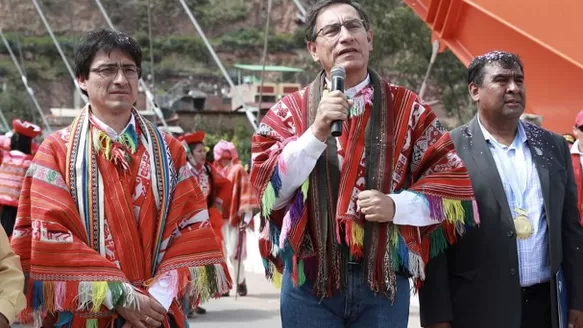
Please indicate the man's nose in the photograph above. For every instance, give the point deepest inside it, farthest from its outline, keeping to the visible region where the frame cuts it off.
(345, 34)
(513, 87)
(120, 77)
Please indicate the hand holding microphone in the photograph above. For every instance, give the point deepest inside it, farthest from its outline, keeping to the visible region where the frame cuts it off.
(333, 107)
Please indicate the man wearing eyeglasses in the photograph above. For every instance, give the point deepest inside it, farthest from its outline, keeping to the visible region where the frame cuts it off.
(349, 219)
(112, 227)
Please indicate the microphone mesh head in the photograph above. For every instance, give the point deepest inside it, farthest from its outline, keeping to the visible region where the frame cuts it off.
(337, 71)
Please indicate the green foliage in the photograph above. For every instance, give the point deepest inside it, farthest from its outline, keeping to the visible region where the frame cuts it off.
(240, 136)
(402, 50)
(251, 39)
(39, 46)
(220, 12)
(17, 104)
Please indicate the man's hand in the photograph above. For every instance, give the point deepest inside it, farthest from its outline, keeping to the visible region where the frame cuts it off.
(4, 322)
(440, 325)
(150, 315)
(376, 206)
(333, 106)
(575, 319)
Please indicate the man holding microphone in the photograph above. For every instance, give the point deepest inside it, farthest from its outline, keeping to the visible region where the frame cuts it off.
(353, 209)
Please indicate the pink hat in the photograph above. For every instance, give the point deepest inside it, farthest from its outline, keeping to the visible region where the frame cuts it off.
(225, 149)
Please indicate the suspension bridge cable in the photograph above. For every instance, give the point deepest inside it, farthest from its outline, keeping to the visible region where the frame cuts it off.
(58, 46)
(264, 59)
(3, 119)
(234, 90)
(301, 9)
(143, 85)
(25, 81)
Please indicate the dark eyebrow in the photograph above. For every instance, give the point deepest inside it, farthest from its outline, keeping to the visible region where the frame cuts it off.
(115, 65)
(507, 76)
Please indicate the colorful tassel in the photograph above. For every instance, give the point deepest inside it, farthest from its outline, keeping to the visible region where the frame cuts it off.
(285, 228)
(305, 188)
(60, 290)
(301, 273)
(208, 281)
(277, 279)
(453, 210)
(438, 242)
(99, 290)
(72, 296)
(37, 295)
(49, 296)
(356, 239)
(436, 211)
(65, 318)
(268, 200)
(276, 182)
(402, 252)
(91, 323)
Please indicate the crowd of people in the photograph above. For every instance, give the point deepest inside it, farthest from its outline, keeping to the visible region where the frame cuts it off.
(111, 222)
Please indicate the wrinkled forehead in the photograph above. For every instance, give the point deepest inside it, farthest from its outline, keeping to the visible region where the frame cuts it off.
(336, 13)
(502, 69)
(115, 57)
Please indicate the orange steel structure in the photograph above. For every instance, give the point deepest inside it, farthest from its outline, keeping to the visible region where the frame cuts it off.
(546, 34)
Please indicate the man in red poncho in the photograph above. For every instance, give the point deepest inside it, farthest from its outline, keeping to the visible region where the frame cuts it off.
(112, 228)
(350, 218)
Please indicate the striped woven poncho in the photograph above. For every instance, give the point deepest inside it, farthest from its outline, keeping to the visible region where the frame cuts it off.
(99, 222)
(402, 147)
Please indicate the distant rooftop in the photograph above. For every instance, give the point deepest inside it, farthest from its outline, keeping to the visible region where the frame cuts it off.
(268, 68)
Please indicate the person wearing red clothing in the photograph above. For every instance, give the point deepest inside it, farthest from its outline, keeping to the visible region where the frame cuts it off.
(15, 163)
(215, 187)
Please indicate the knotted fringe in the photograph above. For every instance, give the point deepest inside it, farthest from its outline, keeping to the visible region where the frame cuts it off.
(206, 282)
(66, 297)
(355, 239)
(459, 214)
(278, 239)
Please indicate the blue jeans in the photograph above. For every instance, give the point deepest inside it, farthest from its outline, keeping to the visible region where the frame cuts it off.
(355, 307)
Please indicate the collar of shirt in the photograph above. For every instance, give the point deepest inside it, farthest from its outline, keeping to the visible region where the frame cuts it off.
(111, 132)
(575, 148)
(519, 140)
(355, 89)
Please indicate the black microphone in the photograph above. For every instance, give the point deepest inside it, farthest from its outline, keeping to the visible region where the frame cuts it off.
(337, 75)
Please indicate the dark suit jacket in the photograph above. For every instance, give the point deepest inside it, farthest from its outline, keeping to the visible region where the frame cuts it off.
(476, 283)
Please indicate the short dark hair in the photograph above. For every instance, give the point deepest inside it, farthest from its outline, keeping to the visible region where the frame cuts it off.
(21, 142)
(107, 41)
(505, 59)
(314, 11)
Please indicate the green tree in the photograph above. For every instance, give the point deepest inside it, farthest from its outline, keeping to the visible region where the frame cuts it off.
(402, 51)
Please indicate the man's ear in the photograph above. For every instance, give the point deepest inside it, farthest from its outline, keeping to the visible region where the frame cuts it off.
(82, 82)
(312, 49)
(474, 89)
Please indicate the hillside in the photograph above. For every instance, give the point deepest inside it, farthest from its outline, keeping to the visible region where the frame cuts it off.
(234, 28)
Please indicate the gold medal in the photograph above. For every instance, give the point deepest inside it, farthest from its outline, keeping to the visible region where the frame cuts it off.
(522, 224)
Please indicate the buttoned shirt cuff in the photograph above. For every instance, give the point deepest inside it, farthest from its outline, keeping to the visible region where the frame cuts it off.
(160, 290)
(411, 209)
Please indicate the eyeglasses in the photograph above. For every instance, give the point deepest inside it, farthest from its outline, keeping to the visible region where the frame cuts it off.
(333, 30)
(111, 71)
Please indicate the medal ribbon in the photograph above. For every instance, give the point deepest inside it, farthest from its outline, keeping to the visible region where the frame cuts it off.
(511, 176)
